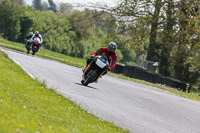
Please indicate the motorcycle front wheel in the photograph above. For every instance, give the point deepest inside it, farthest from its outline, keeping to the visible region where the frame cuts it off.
(90, 78)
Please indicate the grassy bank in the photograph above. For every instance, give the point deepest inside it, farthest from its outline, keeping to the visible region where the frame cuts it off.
(81, 62)
(45, 53)
(28, 106)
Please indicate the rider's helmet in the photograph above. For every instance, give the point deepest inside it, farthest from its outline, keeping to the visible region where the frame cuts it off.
(31, 34)
(36, 33)
(112, 47)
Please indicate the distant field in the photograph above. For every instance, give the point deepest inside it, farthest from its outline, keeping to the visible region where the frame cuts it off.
(78, 62)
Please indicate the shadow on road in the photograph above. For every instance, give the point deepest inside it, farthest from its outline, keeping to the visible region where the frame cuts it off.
(87, 86)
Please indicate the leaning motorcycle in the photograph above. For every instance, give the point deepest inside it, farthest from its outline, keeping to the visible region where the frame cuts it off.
(35, 45)
(95, 69)
(28, 44)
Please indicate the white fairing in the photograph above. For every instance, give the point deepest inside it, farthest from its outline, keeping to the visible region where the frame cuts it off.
(100, 63)
(30, 39)
(37, 39)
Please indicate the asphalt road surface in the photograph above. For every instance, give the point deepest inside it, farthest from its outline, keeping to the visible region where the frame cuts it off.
(135, 107)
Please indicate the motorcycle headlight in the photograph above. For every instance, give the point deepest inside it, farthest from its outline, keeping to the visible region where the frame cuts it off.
(100, 63)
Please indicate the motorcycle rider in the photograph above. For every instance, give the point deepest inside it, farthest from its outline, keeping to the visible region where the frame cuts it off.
(37, 34)
(109, 52)
(28, 37)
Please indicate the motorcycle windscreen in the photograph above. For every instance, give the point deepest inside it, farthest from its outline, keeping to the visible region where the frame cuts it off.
(37, 40)
(100, 63)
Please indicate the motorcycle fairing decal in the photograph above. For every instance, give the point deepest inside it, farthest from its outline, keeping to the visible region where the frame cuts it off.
(87, 69)
(98, 77)
(36, 42)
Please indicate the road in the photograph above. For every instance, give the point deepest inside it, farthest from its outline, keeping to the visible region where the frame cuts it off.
(135, 107)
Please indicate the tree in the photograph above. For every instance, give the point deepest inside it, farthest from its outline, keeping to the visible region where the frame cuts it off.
(82, 24)
(148, 14)
(18, 21)
(19, 2)
(167, 40)
(26, 24)
(10, 24)
(57, 33)
(65, 8)
(187, 52)
(45, 6)
(152, 54)
(37, 5)
(52, 6)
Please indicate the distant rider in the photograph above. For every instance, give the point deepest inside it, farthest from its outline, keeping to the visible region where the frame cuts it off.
(30, 35)
(109, 52)
(38, 35)
(28, 40)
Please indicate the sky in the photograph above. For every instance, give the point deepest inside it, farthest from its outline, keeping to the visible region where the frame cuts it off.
(99, 2)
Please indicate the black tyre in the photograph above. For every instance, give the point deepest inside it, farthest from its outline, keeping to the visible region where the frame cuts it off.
(82, 81)
(34, 49)
(28, 47)
(90, 78)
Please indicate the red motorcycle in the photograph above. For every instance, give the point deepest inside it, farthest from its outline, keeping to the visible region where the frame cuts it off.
(35, 46)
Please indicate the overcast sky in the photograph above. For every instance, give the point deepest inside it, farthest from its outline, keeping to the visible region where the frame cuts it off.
(99, 2)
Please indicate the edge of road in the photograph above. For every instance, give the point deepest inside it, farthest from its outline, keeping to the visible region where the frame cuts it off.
(16, 62)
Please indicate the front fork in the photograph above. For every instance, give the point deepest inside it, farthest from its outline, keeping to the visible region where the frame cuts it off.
(98, 78)
(88, 68)
(100, 75)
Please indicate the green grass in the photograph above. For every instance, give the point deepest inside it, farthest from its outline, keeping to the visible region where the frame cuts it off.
(81, 62)
(27, 106)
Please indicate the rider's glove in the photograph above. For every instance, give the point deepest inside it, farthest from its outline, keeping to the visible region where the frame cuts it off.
(92, 56)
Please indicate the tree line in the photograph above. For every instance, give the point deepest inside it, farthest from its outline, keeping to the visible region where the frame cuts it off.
(163, 31)
(170, 28)
(75, 33)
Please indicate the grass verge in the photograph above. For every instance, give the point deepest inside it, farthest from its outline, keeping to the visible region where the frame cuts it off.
(81, 62)
(28, 106)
